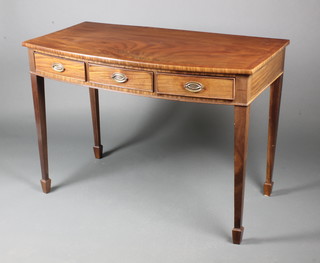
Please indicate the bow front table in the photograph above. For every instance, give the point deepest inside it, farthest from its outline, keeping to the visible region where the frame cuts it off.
(167, 64)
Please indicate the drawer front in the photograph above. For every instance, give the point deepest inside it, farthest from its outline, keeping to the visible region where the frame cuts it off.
(60, 66)
(195, 86)
(130, 79)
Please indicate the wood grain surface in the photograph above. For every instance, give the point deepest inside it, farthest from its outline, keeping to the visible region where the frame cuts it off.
(137, 79)
(214, 87)
(72, 68)
(160, 48)
(266, 75)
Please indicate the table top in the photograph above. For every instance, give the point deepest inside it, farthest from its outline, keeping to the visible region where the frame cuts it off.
(160, 48)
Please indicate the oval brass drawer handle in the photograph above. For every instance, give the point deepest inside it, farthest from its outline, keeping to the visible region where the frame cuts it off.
(193, 86)
(58, 67)
(119, 77)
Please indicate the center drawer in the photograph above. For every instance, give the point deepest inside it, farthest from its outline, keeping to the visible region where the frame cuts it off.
(195, 86)
(119, 77)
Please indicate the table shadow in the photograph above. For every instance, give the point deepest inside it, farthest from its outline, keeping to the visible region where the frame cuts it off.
(310, 235)
(198, 127)
(304, 187)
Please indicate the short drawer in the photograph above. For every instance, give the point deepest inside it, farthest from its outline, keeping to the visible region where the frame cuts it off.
(119, 77)
(196, 86)
(60, 66)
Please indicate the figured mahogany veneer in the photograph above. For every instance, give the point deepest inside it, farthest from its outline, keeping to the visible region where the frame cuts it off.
(159, 48)
(136, 79)
(167, 64)
(72, 68)
(213, 87)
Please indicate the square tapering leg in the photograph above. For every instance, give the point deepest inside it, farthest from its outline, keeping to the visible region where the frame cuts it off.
(95, 113)
(40, 117)
(274, 111)
(241, 130)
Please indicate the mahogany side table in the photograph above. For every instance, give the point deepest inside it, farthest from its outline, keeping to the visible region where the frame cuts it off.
(168, 64)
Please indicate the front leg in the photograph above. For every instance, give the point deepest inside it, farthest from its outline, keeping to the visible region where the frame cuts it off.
(40, 116)
(241, 130)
